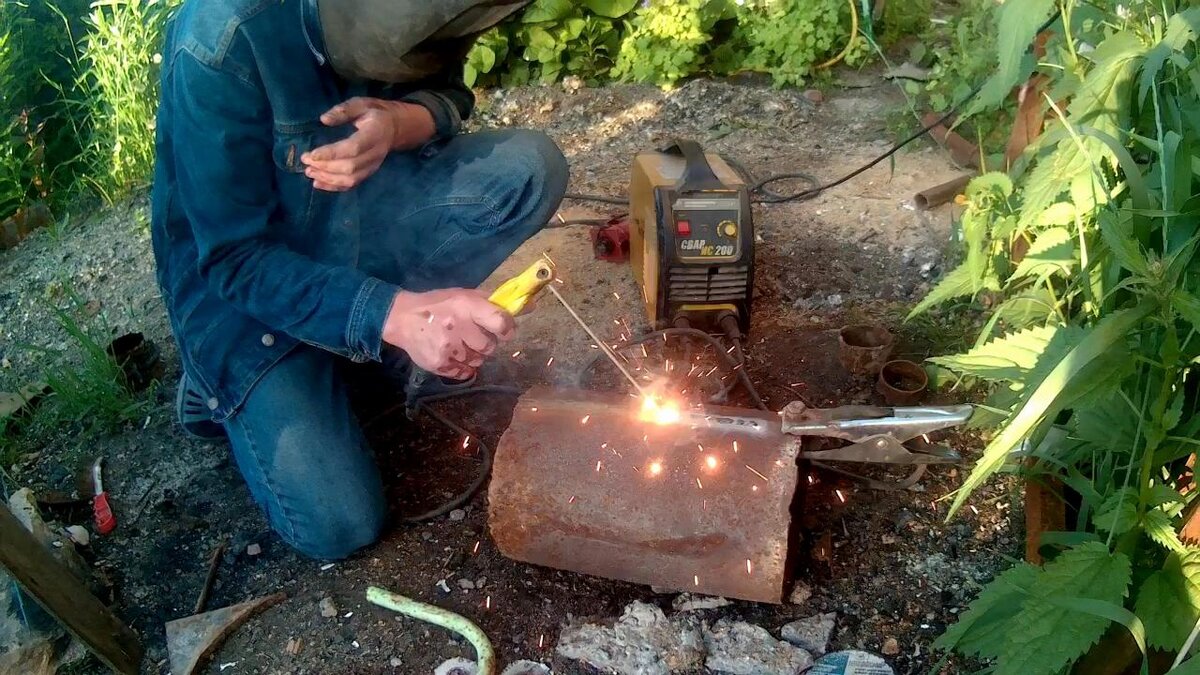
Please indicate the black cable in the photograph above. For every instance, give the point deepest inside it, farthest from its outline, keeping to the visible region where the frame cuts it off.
(485, 468)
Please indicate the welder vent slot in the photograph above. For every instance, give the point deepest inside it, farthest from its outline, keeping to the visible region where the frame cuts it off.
(714, 284)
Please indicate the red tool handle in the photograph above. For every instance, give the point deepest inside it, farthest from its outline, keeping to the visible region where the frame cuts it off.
(105, 521)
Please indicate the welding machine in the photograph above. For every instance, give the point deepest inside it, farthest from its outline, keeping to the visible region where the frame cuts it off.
(691, 240)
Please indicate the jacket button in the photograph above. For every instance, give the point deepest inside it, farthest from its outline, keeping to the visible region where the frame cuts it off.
(213, 403)
(268, 340)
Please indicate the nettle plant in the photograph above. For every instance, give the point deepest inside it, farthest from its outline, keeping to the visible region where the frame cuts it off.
(1085, 253)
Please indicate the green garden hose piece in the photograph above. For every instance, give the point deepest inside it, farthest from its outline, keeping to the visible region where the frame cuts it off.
(485, 656)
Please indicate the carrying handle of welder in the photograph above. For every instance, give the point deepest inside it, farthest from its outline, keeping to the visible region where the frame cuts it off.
(697, 172)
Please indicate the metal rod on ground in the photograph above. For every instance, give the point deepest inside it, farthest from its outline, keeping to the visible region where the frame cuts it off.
(612, 356)
(214, 563)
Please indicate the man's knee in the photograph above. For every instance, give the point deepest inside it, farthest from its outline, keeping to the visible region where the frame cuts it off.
(537, 173)
(338, 524)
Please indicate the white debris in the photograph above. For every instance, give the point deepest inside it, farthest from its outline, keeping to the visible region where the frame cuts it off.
(642, 642)
(457, 666)
(687, 602)
(811, 634)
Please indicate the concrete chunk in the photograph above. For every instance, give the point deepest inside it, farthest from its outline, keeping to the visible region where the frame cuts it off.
(738, 648)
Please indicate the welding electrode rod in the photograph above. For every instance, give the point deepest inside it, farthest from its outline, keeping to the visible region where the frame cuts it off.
(612, 356)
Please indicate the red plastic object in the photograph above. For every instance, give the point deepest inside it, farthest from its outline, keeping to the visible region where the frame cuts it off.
(684, 228)
(104, 519)
(102, 514)
(610, 241)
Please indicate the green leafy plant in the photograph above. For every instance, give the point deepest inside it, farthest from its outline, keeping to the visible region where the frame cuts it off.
(669, 40)
(1087, 250)
(790, 38)
(548, 40)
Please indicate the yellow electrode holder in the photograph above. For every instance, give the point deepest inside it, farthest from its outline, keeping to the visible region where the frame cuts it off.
(513, 295)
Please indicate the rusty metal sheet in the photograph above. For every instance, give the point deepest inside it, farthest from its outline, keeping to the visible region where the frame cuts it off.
(581, 483)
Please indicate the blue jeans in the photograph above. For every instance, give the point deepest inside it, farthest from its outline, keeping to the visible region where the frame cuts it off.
(444, 217)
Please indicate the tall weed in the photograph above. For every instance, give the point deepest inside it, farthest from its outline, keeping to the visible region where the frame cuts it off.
(118, 79)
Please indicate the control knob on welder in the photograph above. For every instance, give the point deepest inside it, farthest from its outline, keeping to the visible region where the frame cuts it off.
(727, 228)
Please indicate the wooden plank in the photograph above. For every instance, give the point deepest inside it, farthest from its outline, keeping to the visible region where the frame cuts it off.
(65, 597)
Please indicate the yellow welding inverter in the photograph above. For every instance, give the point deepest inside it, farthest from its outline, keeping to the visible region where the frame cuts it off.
(691, 240)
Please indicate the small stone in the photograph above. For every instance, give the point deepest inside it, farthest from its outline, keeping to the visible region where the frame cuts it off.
(890, 647)
(328, 609)
(293, 646)
(466, 584)
(395, 662)
(479, 583)
(888, 539)
(456, 666)
(572, 84)
(688, 602)
(834, 300)
(253, 550)
(811, 634)
(739, 648)
(800, 593)
(79, 535)
(457, 515)
(442, 585)
(814, 96)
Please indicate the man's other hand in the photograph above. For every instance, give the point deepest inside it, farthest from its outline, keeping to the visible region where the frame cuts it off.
(380, 127)
(447, 332)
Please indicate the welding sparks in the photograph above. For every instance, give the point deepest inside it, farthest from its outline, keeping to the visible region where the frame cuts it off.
(811, 480)
(616, 295)
(711, 462)
(735, 447)
(645, 354)
(696, 579)
(533, 409)
(571, 500)
(700, 446)
(598, 465)
(655, 468)
(487, 604)
(516, 353)
(841, 497)
(585, 419)
(476, 549)
(466, 442)
(926, 437)
(541, 640)
(754, 488)
(550, 362)
(756, 473)
(749, 567)
(699, 484)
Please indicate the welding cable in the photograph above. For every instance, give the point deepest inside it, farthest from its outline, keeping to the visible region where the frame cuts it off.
(486, 452)
(485, 655)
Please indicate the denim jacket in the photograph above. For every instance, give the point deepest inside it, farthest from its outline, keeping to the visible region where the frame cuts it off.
(251, 259)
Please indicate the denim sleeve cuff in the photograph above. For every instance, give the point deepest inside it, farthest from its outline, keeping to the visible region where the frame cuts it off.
(364, 334)
(446, 118)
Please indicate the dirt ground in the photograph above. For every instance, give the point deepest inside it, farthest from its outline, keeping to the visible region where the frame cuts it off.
(896, 570)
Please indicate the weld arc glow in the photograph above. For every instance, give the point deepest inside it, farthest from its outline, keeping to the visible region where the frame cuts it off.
(660, 412)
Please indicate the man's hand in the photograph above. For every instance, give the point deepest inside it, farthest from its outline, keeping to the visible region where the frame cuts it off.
(381, 126)
(447, 332)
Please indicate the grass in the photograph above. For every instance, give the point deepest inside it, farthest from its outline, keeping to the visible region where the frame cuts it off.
(87, 396)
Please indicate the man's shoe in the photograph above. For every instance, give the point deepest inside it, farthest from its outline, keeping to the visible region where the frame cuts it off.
(193, 413)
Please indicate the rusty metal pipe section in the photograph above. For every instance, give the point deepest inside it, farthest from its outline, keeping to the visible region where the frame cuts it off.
(581, 483)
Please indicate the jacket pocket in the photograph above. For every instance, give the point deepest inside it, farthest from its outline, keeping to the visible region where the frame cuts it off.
(297, 198)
